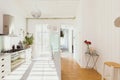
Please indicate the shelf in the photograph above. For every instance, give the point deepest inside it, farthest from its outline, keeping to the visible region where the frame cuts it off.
(16, 63)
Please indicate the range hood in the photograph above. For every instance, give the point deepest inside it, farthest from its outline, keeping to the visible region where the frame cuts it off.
(7, 27)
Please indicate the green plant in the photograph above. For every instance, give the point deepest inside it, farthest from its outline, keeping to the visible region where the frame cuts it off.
(28, 40)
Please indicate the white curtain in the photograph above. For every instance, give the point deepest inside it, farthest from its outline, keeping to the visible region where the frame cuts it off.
(42, 31)
(42, 40)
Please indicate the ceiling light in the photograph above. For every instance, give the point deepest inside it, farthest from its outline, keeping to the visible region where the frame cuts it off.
(36, 14)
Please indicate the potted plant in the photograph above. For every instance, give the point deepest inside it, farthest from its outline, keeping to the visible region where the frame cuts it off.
(28, 41)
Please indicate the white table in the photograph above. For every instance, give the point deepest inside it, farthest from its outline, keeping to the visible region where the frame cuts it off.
(93, 56)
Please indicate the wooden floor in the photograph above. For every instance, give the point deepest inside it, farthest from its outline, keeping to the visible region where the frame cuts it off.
(72, 71)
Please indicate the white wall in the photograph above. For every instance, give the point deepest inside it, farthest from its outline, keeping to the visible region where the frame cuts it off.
(50, 8)
(95, 22)
(10, 7)
(70, 40)
(51, 22)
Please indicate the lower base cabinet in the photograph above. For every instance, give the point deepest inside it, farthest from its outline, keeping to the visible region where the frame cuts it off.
(8, 62)
(28, 53)
(5, 66)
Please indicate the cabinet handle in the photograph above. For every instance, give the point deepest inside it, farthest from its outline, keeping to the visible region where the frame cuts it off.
(2, 77)
(3, 71)
(3, 59)
(2, 66)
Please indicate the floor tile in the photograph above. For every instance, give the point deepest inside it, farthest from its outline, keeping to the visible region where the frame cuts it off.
(40, 70)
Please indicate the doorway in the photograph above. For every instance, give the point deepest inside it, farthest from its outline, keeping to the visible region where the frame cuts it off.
(67, 39)
(64, 40)
(42, 40)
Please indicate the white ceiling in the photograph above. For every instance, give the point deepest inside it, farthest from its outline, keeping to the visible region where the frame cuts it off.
(50, 8)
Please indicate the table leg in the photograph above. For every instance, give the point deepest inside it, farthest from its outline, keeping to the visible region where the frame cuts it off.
(88, 62)
(112, 73)
(95, 61)
(103, 73)
(118, 74)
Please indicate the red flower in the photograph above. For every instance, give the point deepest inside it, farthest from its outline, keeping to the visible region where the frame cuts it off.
(87, 42)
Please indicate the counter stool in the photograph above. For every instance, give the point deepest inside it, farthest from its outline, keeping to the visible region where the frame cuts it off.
(113, 66)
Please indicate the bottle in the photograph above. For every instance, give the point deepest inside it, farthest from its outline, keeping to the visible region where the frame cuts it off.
(13, 47)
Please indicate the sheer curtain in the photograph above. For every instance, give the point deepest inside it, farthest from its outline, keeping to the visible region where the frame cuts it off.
(42, 40)
(46, 35)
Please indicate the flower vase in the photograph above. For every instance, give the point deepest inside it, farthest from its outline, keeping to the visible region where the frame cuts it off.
(88, 49)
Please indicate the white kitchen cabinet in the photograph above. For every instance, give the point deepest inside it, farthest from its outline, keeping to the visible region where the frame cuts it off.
(1, 22)
(5, 66)
(28, 53)
(17, 58)
(6, 23)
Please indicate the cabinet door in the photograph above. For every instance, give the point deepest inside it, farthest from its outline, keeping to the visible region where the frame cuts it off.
(7, 65)
(28, 54)
(22, 54)
(1, 22)
(6, 24)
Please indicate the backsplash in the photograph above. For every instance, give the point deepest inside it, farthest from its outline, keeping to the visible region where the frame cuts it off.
(7, 42)
(0, 44)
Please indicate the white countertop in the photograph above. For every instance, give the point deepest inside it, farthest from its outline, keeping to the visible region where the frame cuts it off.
(5, 54)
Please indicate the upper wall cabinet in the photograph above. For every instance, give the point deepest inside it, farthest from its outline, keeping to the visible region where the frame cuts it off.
(1, 22)
(6, 24)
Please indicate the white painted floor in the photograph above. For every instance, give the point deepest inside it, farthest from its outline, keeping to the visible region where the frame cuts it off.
(40, 69)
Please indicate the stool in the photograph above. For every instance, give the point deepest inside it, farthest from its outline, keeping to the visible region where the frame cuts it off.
(113, 66)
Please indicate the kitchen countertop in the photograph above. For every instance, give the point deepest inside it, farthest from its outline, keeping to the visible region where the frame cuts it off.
(9, 53)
